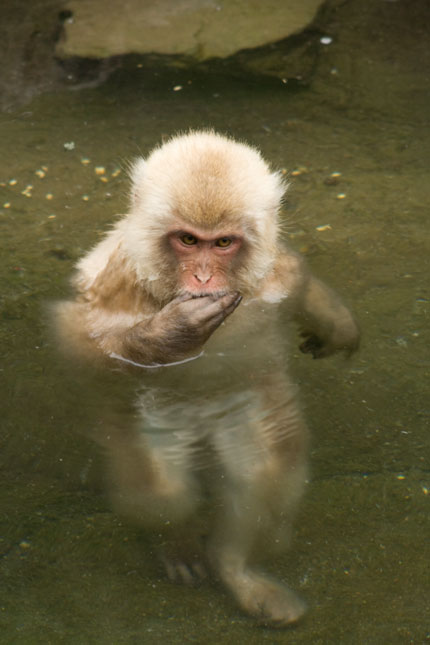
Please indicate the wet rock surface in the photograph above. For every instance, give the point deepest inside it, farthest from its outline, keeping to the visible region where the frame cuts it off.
(199, 29)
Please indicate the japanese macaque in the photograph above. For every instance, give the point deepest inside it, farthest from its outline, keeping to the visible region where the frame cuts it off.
(189, 291)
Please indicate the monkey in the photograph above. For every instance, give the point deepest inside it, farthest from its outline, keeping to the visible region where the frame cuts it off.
(189, 292)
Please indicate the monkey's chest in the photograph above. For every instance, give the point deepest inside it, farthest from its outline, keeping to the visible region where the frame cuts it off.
(247, 348)
(249, 340)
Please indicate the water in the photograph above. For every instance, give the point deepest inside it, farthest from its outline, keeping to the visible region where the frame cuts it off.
(73, 570)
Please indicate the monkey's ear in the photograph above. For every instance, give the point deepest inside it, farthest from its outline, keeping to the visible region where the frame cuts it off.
(137, 174)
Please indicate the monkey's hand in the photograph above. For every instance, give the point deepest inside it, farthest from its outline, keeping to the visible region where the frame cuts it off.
(343, 335)
(326, 325)
(180, 328)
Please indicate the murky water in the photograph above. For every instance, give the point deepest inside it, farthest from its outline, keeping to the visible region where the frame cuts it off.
(72, 570)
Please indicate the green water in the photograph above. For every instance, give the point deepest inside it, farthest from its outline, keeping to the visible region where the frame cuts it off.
(74, 572)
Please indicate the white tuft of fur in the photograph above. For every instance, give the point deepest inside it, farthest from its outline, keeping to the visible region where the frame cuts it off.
(198, 177)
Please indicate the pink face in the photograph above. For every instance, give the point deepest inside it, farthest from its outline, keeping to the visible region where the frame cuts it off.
(205, 260)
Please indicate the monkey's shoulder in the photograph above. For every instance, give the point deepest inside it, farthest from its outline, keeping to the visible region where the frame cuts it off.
(285, 279)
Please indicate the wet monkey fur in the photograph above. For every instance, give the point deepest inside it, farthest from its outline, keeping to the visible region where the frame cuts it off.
(189, 291)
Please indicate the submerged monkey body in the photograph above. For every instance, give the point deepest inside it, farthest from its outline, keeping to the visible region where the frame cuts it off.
(196, 270)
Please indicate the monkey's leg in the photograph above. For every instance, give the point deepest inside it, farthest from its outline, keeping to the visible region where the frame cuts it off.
(152, 482)
(265, 470)
(150, 477)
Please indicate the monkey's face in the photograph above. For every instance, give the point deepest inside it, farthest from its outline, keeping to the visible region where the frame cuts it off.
(206, 261)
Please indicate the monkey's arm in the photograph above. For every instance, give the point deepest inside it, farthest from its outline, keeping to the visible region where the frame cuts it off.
(172, 334)
(326, 323)
(179, 329)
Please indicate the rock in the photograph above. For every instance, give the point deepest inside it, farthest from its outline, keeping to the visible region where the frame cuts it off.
(199, 29)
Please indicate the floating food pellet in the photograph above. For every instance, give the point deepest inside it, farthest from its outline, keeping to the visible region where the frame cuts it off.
(104, 179)
(326, 40)
(49, 196)
(52, 216)
(340, 196)
(40, 173)
(335, 174)
(27, 190)
(69, 145)
(45, 168)
(284, 171)
(85, 161)
(400, 477)
(177, 88)
(24, 544)
(425, 490)
(6, 205)
(100, 170)
(299, 171)
(116, 172)
(323, 227)
(85, 198)
(13, 182)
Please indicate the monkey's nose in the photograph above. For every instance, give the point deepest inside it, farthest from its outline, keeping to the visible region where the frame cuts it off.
(202, 278)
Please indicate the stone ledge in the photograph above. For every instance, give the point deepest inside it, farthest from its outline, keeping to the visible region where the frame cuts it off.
(200, 29)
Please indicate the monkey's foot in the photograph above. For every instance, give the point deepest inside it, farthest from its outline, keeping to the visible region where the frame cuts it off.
(189, 573)
(183, 560)
(272, 602)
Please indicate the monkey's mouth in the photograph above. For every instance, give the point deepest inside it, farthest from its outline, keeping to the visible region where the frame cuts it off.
(204, 293)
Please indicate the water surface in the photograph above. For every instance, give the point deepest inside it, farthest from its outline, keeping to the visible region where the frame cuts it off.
(72, 570)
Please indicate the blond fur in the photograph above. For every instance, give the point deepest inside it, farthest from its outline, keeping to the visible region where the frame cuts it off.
(201, 179)
(238, 405)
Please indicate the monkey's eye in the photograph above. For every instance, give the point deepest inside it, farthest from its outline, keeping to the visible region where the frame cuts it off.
(223, 242)
(188, 239)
